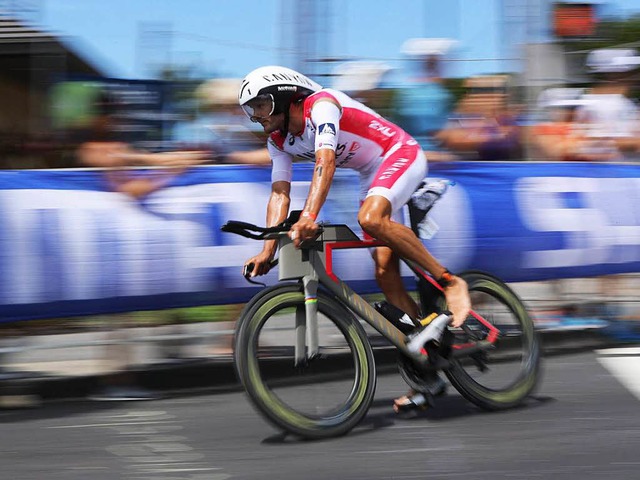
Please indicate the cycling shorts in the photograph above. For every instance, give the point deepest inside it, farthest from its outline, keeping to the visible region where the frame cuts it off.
(396, 177)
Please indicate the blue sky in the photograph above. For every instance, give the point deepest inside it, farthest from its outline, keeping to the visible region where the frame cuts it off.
(231, 37)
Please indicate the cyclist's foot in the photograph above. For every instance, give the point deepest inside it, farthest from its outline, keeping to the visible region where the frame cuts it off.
(411, 402)
(436, 386)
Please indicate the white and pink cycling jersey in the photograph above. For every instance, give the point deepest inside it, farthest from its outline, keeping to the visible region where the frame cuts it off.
(390, 162)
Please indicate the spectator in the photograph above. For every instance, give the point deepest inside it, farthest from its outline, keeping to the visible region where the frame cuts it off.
(228, 133)
(558, 137)
(101, 148)
(483, 126)
(611, 121)
(424, 104)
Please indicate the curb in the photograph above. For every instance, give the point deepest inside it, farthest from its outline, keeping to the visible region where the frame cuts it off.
(218, 374)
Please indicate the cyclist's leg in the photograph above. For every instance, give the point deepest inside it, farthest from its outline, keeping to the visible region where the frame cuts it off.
(384, 193)
(374, 218)
(380, 217)
(387, 262)
(397, 178)
(390, 281)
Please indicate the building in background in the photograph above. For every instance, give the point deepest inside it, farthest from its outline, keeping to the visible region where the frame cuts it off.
(31, 60)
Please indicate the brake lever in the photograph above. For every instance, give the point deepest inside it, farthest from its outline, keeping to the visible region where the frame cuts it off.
(246, 273)
(248, 268)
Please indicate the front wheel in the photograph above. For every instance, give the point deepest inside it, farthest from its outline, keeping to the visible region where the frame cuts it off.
(502, 377)
(324, 397)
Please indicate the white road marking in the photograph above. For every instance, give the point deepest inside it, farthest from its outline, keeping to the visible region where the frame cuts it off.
(409, 450)
(175, 470)
(421, 427)
(624, 351)
(147, 451)
(92, 425)
(624, 364)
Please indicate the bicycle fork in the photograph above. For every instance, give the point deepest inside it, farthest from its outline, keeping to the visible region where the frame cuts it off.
(306, 346)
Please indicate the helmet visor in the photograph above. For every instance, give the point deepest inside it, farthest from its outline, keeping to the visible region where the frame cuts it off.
(259, 107)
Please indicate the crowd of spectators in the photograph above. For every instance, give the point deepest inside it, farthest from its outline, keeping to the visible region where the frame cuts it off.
(598, 121)
(484, 118)
(487, 119)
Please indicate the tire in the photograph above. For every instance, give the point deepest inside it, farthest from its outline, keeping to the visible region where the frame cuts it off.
(291, 397)
(513, 367)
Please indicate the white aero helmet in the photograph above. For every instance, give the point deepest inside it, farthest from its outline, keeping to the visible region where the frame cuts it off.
(280, 86)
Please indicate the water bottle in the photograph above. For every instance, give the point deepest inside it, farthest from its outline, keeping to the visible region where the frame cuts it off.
(431, 333)
(429, 193)
(422, 201)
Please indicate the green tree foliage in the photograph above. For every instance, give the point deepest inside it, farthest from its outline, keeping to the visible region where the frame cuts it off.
(612, 32)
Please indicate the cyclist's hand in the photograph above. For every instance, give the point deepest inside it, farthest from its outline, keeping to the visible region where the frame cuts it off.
(261, 264)
(458, 301)
(304, 229)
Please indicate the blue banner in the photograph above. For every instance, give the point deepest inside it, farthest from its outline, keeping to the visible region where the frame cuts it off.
(69, 246)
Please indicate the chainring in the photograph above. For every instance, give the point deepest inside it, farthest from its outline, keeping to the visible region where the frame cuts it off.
(410, 374)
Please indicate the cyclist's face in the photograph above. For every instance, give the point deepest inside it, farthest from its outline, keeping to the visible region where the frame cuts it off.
(260, 107)
(260, 110)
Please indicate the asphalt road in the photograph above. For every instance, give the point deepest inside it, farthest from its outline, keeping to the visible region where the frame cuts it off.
(583, 423)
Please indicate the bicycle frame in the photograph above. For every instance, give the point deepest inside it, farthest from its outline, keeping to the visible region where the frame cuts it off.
(313, 264)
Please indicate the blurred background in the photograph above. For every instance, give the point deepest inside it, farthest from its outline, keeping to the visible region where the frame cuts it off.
(472, 80)
(509, 73)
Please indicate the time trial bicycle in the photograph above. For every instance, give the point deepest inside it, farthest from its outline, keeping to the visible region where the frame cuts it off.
(307, 363)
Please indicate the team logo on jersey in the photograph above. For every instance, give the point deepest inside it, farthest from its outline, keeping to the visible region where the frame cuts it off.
(383, 129)
(354, 146)
(399, 164)
(328, 128)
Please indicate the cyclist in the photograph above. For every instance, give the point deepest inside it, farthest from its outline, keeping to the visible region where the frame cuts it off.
(305, 121)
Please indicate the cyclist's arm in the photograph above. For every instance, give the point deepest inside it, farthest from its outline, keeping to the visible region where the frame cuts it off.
(280, 198)
(325, 114)
(321, 182)
(277, 210)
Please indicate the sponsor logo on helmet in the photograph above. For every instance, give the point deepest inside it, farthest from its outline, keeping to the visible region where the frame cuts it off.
(327, 128)
(289, 88)
(280, 76)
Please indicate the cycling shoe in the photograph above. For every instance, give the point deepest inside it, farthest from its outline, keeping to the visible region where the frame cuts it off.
(417, 401)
